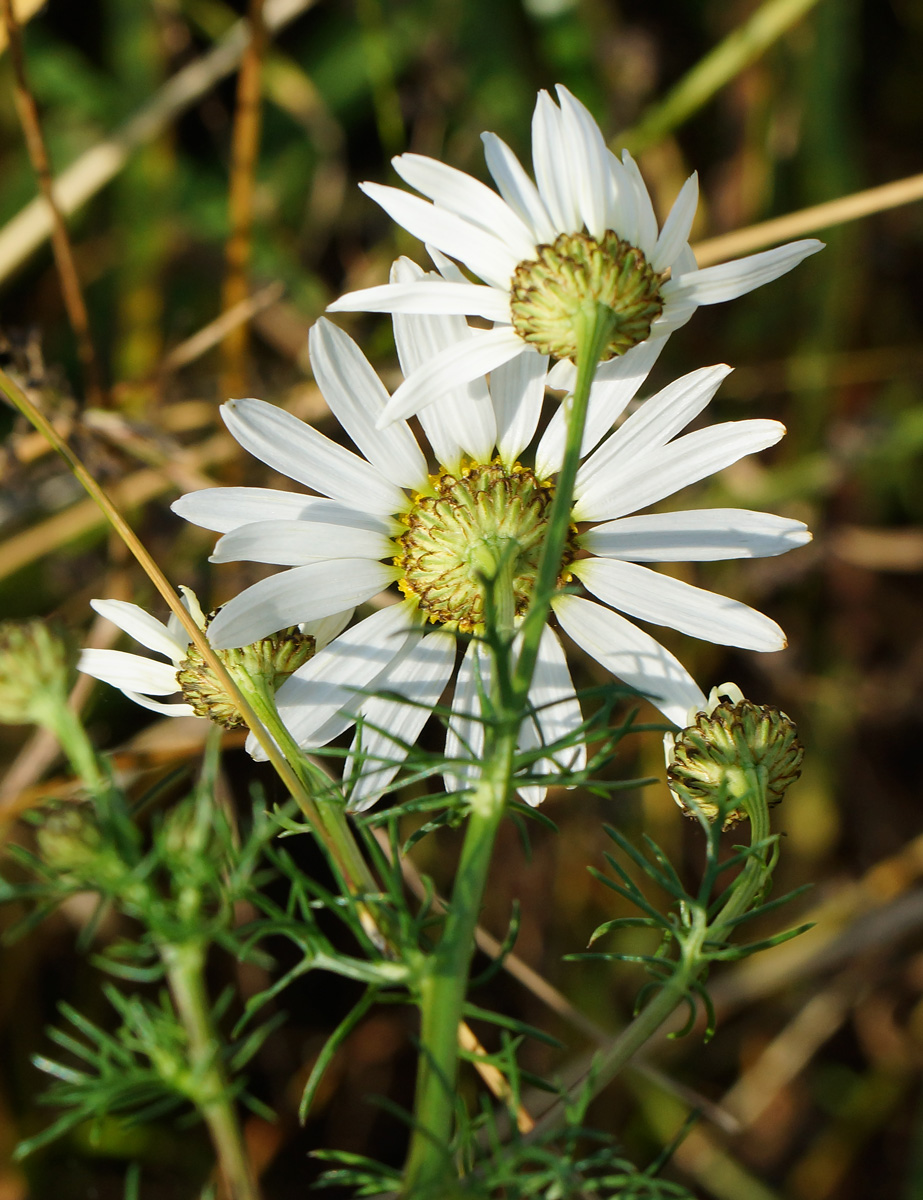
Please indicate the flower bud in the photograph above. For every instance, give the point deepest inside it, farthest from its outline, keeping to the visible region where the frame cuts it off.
(35, 672)
(711, 763)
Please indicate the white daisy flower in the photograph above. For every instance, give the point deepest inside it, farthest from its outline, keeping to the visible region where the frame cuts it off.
(585, 230)
(141, 678)
(385, 519)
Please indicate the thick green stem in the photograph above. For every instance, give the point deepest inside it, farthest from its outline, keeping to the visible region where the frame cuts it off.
(185, 968)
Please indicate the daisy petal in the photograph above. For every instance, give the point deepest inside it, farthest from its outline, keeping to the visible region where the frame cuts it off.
(630, 654)
(175, 708)
(142, 627)
(461, 363)
(295, 543)
(517, 189)
(701, 535)
(556, 714)
(666, 470)
(657, 598)
(647, 218)
(467, 198)
(327, 628)
(483, 253)
(289, 446)
(225, 508)
(299, 594)
(132, 671)
(676, 228)
(357, 398)
(335, 678)
(585, 164)
(464, 739)
(462, 419)
(445, 296)
(420, 673)
(517, 388)
(549, 152)
(727, 281)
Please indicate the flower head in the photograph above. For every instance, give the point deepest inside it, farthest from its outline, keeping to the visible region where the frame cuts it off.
(141, 679)
(35, 672)
(584, 231)
(388, 519)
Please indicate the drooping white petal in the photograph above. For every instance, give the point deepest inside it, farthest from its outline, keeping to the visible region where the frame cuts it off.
(657, 598)
(556, 714)
(419, 673)
(337, 676)
(585, 166)
(298, 594)
(676, 228)
(173, 708)
(666, 470)
(142, 627)
(327, 628)
(727, 281)
(357, 398)
(651, 426)
(549, 153)
(700, 535)
(466, 360)
(517, 388)
(517, 189)
(630, 654)
(224, 509)
(288, 445)
(452, 296)
(483, 253)
(467, 198)
(132, 671)
(615, 386)
(647, 218)
(464, 739)
(294, 543)
(462, 419)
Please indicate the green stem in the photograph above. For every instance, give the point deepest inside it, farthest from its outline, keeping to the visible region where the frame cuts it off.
(185, 968)
(68, 729)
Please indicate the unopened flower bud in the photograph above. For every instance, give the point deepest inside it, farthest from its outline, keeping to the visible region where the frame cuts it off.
(271, 660)
(35, 672)
(712, 762)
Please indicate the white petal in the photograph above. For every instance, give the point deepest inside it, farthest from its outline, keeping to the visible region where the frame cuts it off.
(173, 708)
(129, 671)
(299, 594)
(447, 269)
(727, 281)
(624, 216)
(647, 218)
(336, 677)
(676, 228)
(357, 398)
(294, 543)
(517, 388)
(142, 627)
(224, 509)
(615, 386)
(483, 253)
(467, 198)
(630, 654)
(517, 189)
(327, 628)
(556, 715)
(701, 535)
(290, 446)
(458, 364)
(460, 298)
(657, 598)
(462, 419)
(651, 426)
(549, 157)
(664, 471)
(420, 673)
(464, 739)
(585, 166)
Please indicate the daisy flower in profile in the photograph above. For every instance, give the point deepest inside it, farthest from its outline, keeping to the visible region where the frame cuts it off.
(584, 231)
(386, 518)
(142, 679)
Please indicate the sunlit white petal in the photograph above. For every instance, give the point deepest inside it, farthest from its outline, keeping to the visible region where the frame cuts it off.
(700, 535)
(133, 671)
(223, 509)
(294, 543)
(142, 627)
(727, 281)
(517, 189)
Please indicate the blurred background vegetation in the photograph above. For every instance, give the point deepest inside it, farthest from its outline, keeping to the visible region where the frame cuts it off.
(817, 1059)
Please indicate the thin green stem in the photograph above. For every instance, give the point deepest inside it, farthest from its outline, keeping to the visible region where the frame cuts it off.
(68, 729)
(185, 968)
